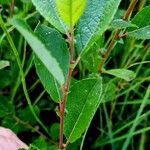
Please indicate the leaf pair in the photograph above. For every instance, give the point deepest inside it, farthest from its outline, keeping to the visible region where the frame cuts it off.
(52, 55)
(69, 10)
(97, 15)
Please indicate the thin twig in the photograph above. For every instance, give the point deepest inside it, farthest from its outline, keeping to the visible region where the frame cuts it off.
(110, 48)
(34, 129)
(12, 5)
(130, 9)
(66, 89)
(117, 35)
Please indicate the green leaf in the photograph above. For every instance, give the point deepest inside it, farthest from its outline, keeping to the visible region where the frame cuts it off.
(92, 57)
(33, 147)
(6, 78)
(142, 33)
(4, 63)
(54, 131)
(142, 18)
(82, 103)
(70, 10)
(58, 48)
(40, 143)
(48, 81)
(11, 123)
(125, 74)
(6, 107)
(26, 1)
(109, 92)
(120, 23)
(48, 10)
(40, 50)
(94, 22)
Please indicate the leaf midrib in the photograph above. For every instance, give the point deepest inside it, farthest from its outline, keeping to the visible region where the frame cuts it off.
(83, 108)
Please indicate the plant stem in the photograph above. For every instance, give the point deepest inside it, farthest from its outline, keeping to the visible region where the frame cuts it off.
(116, 35)
(110, 48)
(33, 129)
(130, 10)
(12, 7)
(141, 5)
(62, 104)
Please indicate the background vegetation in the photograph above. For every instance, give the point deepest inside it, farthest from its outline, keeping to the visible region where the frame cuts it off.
(121, 121)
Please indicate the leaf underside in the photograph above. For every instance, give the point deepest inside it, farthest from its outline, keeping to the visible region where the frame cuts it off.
(94, 22)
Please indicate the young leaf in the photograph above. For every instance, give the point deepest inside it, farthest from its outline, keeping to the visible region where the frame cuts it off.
(58, 48)
(125, 74)
(82, 103)
(109, 91)
(120, 23)
(70, 10)
(4, 63)
(142, 33)
(40, 50)
(94, 22)
(47, 9)
(142, 18)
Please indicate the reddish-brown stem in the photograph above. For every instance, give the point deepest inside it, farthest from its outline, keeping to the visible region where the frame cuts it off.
(62, 104)
(61, 147)
(110, 47)
(66, 89)
(12, 7)
(117, 35)
(71, 42)
(62, 109)
(130, 9)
